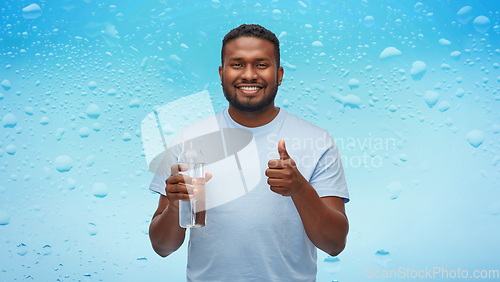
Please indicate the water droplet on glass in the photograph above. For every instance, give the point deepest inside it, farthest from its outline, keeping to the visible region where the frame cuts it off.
(96, 126)
(308, 28)
(100, 190)
(9, 121)
(29, 111)
(495, 128)
(444, 42)
(47, 250)
(126, 137)
(455, 55)
(444, 106)
(389, 52)
(286, 103)
(33, 11)
(92, 229)
(11, 149)
(317, 46)
(142, 262)
(276, 14)
(353, 83)
(59, 133)
(331, 264)
(92, 85)
(481, 24)
(464, 15)
(403, 157)
(63, 163)
(44, 121)
(6, 85)
(418, 69)
(84, 132)
(93, 111)
(90, 160)
(111, 92)
(22, 249)
(382, 258)
(418, 7)
(301, 7)
(369, 21)
(71, 183)
(394, 189)
(475, 138)
(4, 217)
(135, 103)
(431, 98)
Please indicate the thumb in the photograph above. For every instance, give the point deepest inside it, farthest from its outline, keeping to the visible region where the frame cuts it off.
(282, 150)
(208, 176)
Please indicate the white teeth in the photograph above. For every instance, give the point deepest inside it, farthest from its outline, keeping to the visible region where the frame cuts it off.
(249, 88)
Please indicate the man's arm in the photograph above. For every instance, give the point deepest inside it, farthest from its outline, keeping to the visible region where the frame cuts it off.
(324, 219)
(165, 233)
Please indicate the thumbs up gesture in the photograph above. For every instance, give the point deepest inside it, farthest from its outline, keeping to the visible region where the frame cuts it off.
(283, 176)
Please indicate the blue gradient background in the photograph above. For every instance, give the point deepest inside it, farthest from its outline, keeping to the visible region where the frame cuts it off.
(53, 227)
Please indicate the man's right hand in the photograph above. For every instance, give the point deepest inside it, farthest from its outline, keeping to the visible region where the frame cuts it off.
(180, 187)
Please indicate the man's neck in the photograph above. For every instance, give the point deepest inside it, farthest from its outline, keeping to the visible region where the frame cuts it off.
(254, 119)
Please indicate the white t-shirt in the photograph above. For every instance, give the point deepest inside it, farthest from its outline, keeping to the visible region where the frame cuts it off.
(252, 233)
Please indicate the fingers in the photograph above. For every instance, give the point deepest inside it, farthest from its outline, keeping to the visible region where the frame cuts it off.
(180, 187)
(279, 190)
(277, 182)
(180, 191)
(278, 173)
(176, 168)
(279, 163)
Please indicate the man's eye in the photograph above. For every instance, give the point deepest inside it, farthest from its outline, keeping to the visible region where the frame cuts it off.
(236, 65)
(262, 65)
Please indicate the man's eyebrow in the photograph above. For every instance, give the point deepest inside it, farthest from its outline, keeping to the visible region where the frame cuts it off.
(258, 59)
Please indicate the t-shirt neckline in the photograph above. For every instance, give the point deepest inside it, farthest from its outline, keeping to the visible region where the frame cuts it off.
(258, 129)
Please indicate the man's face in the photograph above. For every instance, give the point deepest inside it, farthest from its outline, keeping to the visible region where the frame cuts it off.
(250, 76)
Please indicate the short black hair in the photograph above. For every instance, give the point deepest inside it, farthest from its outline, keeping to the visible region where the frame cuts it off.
(252, 30)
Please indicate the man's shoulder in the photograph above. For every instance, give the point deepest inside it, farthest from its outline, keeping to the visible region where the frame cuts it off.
(302, 126)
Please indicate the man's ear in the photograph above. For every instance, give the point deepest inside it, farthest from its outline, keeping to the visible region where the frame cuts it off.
(280, 75)
(220, 73)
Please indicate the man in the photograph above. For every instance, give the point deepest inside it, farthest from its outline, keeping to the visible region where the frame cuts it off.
(271, 232)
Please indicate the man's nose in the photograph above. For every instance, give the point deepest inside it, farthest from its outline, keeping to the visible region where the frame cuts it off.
(249, 73)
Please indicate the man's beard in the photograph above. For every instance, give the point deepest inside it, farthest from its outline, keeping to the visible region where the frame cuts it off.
(249, 106)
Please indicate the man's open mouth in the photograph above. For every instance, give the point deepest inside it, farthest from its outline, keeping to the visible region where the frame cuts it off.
(249, 88)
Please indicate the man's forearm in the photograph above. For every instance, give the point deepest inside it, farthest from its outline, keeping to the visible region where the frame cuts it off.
(325, 226)
(165, 233)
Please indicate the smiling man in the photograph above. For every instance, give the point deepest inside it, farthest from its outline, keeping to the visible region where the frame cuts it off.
(271, 232)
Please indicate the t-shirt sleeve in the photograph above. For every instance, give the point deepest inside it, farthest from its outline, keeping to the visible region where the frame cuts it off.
(328, 177)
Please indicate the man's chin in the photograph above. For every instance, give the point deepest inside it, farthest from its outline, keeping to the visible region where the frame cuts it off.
(251, 105)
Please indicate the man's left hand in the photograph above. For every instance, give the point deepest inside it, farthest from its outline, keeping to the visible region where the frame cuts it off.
(283, 175)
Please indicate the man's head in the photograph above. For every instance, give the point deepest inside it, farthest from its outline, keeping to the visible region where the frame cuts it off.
(250, 72)
(252, 30)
